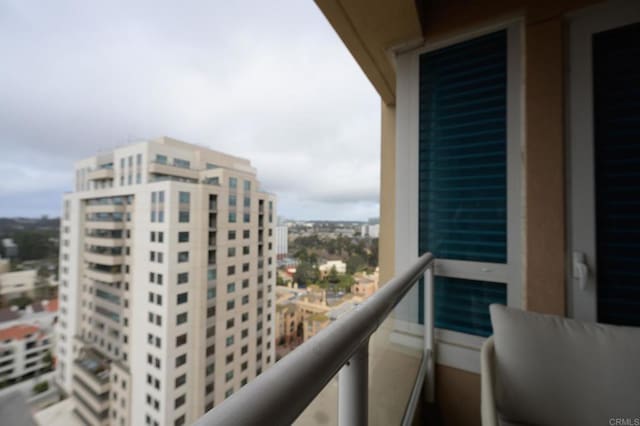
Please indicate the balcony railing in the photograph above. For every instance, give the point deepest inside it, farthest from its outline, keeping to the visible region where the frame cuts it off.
(283, 392)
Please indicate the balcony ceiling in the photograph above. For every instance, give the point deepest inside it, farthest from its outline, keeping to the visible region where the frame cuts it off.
(369, 28)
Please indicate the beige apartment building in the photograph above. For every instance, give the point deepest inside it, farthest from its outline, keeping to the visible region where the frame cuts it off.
(167, 277)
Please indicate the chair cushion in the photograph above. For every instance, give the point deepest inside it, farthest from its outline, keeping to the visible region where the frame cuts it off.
(557, 371)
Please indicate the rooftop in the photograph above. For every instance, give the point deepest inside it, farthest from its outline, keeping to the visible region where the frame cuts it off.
(17, 332)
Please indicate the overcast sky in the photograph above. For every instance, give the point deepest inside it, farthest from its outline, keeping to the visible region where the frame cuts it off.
(265, 80)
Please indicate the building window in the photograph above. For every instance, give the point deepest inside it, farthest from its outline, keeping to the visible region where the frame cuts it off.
(228, 376)
(231, 287)
(211, 274)
(231, 304)
(184, 164)
(245, 250)
(230, 323)
(179, 402)
(246, 234)
(181, 339)
(231, 270)
(181, 360)
(231, 235)
(231, 251)
(245, 267)
(247, 185)
(232, 217)
(181, 298)
(183, 216)
(229, 341)
(183, 256)
(245, 299)
(183, 237)
(181, 318)
(180, 421)
(161, 159)
(181, 380)
(232, 200)
(211, 293)
(233, 182)
(228, 393)
(245, 283)
(184, 197)
(183, 277)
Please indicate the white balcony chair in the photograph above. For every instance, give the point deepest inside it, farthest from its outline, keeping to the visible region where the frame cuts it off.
(548, 370)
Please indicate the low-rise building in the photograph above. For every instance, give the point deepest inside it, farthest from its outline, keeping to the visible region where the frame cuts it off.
(10, 248)
(17, 284)
(25, 350)
(314, 323)
(326, 267)
(366, 285)
(289, 319)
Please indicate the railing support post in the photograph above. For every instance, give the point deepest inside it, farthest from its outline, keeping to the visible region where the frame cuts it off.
(429, 346)
(353, 389)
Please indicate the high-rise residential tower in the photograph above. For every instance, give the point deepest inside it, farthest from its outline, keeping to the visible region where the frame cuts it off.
(167, 276)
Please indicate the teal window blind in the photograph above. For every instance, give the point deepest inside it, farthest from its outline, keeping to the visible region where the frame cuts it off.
(463, 172)
(616, 59)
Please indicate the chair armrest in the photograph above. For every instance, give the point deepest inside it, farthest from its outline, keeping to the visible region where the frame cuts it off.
(487, 366)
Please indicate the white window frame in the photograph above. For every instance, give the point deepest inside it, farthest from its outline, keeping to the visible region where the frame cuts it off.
(581, 214)
(455, 349)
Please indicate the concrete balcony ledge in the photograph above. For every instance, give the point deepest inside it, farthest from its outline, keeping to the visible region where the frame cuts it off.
(103, 242)
(103, 276)
(104, 225)
(167, 169)
(105, 208)
(104, 259)
(101, 174)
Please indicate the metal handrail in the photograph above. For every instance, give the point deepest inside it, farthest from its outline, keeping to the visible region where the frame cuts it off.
(280, 394)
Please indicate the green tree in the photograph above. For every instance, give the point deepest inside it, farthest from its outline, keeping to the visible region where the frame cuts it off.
(47, 358)
(333, 275)
(40, 387)
(21, 302)
(373, 253)
(306, 274)
(355, 263)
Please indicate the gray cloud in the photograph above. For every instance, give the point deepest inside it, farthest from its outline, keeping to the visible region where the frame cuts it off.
(269, 81)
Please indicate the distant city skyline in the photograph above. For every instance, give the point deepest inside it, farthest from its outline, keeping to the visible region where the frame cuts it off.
(86, 78)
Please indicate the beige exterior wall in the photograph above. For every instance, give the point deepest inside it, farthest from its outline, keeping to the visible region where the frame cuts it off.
(543, 162)
(387, 240)
(15, 284)
(231, 330)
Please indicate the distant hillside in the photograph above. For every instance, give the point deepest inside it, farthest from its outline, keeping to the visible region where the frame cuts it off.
(12, 224)
(36, 238)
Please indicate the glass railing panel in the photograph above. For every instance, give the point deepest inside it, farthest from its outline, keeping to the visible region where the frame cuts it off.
(395, 356)
(323, 410)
